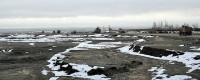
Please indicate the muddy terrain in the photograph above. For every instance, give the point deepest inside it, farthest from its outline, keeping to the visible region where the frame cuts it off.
(28, 60)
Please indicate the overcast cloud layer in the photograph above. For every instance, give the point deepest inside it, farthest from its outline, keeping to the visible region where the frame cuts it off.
(91, 13)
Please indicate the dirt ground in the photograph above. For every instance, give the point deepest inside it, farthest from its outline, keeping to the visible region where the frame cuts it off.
(26, 61)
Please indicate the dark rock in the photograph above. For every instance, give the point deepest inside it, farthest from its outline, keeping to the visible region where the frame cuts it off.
(136, 49)
(59, 62)
(140, 37)
(140, 63)
(114, 35)
(97, 71)
(137, 62)
(113, 68)
(159, 77)
(197, 57)
(131, 46)
(69, 70)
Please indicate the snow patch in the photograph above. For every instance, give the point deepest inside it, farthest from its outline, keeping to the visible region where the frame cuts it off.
(51, 38)
(82, 68)
(82, 72)
(53, 78)
(111, 43)
(149, 36)
(31, 44)
(44, 72)
(86, 45)
(187, 58)
(181, 45)
(158, 74)
(195, 48)
(141, 40)
(7, 50)
(54, 46)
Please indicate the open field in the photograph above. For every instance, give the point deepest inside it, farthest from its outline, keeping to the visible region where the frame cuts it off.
(99, 57)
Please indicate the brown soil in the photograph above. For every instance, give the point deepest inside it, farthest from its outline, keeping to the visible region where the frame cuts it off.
(19, 65)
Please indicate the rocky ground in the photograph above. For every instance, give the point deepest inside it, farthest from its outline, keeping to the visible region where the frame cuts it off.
(27, 60)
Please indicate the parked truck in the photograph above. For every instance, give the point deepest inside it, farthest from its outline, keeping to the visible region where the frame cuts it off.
(185, 30)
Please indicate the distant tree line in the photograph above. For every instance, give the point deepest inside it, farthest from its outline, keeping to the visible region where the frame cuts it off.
(165, 26)
(162, 27)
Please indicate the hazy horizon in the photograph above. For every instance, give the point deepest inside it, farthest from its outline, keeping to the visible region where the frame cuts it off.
(63, 29)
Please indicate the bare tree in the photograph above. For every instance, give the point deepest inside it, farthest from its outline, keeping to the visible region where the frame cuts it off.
(97, 30)
(58, 31)
(195, 27)
(54, 32)
(154, 26)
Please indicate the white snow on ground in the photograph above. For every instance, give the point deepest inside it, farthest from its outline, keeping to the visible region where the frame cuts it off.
(187, 58)
(181, 45)
(52, 38)
(149, 36)
(111, 43)
(52, 61)
(158, 74)
(82, 68)
(21, 36)
(53, 78)
(123, 36)
(54, 46)
(180, 77)
(44, 72)
(134, 36)
(10, 50)
(195, 48)
(6, 51)
(86, 45)
(141, 40)
(100, 38)
(31, 44)
(39, 36)
(146, 36)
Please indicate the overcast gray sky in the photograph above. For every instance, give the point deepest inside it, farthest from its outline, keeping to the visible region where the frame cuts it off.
(92, 13)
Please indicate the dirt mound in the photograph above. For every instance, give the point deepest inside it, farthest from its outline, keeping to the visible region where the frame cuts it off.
(97, 71)
(154, 51)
